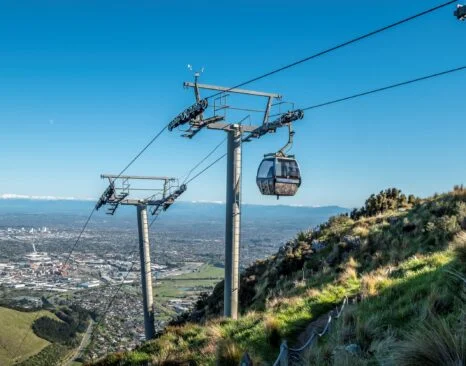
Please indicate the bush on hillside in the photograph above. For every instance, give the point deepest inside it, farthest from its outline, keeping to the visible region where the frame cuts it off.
(54, 331)
(390, 199)
(73, 320)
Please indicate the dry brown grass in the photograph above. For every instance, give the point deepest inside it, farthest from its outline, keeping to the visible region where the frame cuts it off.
(459, 190)
(349, 271)
(272, 331)
(312, 292)
(166, 355)
(214, 331)
(459, 246)
(281, 302)
(361, 231)
(228, 353)
(371, 283)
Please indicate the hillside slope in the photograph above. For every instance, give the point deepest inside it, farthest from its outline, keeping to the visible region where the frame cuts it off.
(16, 326)
(401, 261)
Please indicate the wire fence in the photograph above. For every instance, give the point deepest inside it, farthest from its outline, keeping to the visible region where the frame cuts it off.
(300, 356)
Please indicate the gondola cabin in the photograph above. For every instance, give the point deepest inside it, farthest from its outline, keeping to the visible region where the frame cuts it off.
(278, 176)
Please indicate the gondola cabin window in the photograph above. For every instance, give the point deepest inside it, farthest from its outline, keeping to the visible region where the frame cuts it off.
(286, 169)
(266, 169)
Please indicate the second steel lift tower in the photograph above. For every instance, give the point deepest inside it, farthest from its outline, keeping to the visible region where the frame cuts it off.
(194, 115)
(118, 193)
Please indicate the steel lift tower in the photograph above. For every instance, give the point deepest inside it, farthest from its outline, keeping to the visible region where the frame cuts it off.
(119, 192)
(194, 116)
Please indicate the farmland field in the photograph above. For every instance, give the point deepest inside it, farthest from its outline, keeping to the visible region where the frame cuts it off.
(205, 277)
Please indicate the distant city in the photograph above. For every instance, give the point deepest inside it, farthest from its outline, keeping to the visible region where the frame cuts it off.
(35, 242)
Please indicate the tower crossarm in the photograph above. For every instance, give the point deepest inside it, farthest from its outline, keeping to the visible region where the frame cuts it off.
(460, 12)
(284, 120)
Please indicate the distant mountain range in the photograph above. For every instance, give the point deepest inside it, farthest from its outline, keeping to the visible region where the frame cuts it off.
(56, 205)
(181, 211)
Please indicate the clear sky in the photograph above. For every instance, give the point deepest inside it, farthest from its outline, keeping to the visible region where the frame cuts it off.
(85, 84)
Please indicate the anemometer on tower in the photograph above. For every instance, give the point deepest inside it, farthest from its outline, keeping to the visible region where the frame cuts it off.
(278, 173)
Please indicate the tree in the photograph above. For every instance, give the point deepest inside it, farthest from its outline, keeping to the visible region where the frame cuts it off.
(411, 199)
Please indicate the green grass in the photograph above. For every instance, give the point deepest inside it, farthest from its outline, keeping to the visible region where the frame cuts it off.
(381, 324)
(205, 276)
(400, 272)
(204, 271)
(174, 289)
(15, 325)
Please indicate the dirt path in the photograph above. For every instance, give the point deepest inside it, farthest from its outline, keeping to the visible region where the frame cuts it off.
(84, 343)
(316, 326)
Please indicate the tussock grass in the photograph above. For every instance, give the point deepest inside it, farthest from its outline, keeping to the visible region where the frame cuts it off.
(361, 231)
(272, 331)
(349, 271)
(228, 353)
(371, 284)
(432, 343)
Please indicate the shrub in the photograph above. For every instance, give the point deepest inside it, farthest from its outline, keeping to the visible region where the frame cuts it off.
(390, 199)
(54, 331)
(138, 358)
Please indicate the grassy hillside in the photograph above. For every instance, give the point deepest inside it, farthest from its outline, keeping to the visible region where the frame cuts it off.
(14, 326)
(401, 261)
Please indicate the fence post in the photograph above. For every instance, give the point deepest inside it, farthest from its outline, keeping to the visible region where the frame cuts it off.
(284, 360)
(246, 360)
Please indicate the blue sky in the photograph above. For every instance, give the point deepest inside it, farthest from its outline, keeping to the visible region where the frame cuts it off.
(85, 84)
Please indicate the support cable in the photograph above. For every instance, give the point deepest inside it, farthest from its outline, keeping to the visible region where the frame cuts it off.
(94, 210)
(138, 155)
(341, 45)
(204, 159)
(79, 236)
(143, 150)
(431, 76)
(112, 299)
(206, 168)
(373, 91)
